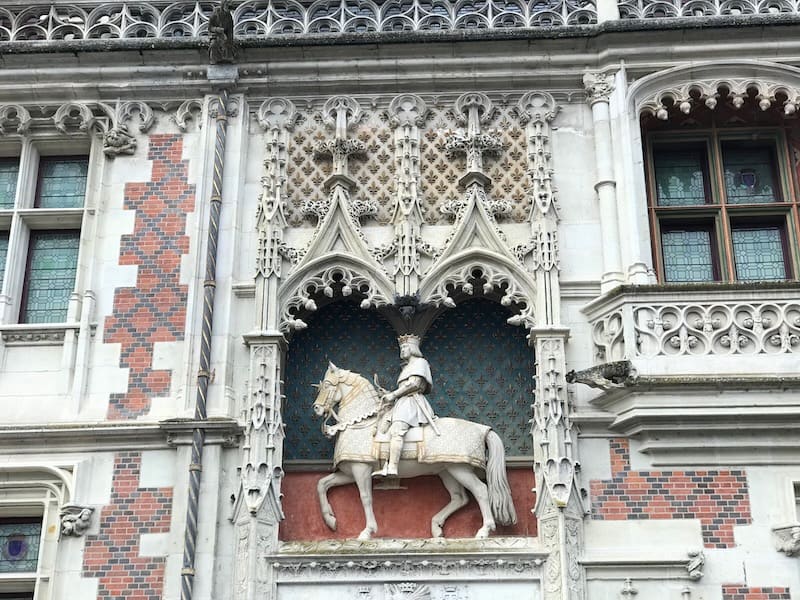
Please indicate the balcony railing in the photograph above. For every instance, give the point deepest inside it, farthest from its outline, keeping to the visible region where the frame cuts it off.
(670, 330)
(31, 21)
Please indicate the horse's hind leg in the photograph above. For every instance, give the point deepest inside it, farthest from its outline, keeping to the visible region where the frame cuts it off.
(323, 485)
(362, 473)
(458, 498)
(465, 475)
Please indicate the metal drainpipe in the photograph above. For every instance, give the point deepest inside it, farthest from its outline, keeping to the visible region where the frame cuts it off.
(200, 414)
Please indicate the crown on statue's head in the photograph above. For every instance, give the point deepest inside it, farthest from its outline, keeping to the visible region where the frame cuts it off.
(410, 340)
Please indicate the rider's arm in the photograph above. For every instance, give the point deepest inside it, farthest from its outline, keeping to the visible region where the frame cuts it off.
(413, 384)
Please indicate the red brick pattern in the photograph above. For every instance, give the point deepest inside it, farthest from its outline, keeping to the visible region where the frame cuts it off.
(113, 555)
(718, 498)
(155, 309)
(738, 592)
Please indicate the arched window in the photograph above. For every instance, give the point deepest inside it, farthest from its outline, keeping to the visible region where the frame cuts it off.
(352, 338)
(482, 371)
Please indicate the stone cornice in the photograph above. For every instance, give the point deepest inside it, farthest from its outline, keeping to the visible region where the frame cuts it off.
(101, 436)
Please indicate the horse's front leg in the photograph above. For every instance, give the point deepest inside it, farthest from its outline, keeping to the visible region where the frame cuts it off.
(362, 473)
(335, 479)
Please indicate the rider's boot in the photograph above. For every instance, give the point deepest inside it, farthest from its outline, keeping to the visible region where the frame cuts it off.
(395, 449)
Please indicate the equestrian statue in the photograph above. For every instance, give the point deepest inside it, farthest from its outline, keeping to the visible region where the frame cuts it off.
(396, 434)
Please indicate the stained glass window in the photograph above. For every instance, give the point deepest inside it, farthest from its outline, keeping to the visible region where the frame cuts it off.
(9, 170)
(482, 370)
(353, 339)
(52, 265)
(62, 182)
(19, 545)
(680, 177)
(749, 174)
(758, 253)
(687, 255)
(3, 255)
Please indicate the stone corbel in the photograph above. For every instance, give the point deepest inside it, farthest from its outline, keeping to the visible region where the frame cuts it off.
(111, 123)
(787, 539)
(607, 376)
(694, 568)
(75, 520)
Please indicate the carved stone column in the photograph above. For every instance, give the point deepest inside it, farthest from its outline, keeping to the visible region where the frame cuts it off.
(599, 87)
(257, 508)
(558, 504)
(558, 501)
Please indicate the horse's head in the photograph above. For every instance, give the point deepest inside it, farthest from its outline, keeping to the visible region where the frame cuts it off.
(329, 394)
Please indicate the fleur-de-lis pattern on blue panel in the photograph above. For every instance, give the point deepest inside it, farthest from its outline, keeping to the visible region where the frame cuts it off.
(353, 339)
(482, 371)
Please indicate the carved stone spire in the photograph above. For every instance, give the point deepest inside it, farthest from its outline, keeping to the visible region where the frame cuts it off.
(407, 113)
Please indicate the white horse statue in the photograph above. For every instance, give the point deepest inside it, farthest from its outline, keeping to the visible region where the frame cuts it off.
(459, 455)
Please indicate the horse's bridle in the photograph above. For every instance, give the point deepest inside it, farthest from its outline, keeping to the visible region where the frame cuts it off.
(328, 412)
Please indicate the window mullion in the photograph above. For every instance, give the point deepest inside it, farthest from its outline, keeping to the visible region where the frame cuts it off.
(722, 221)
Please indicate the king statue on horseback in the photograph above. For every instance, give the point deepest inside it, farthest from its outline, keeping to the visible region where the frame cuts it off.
(398, 428)
(411, 407)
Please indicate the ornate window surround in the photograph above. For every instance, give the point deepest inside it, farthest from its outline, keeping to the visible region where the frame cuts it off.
(46, 492)
(648, 94)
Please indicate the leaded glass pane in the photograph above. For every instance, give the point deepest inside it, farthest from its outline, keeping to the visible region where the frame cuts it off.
(9, 170)
(52, 265)
(62, 182)
(353, 339)
(680, 177)
(758, 253)
(749, 174)
(687, 255)
(19, 546)
(482, 371)
(3, 255)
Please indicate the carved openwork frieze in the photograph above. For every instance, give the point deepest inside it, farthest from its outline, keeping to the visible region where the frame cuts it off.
(735, 322)
(713, 92)
(262, 18)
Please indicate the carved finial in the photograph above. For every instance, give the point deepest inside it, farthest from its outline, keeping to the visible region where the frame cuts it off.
(222, 48)
(598, 86)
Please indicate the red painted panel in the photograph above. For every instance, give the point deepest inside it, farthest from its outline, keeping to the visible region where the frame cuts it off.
(404, 513)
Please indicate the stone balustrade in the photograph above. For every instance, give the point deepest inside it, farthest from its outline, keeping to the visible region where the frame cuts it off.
(686, 323)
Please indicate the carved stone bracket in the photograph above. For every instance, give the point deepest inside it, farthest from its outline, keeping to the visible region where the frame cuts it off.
(606, 376)
(75, 519)
(787, 539)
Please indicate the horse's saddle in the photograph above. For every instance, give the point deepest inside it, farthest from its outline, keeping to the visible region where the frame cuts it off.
(380, 449)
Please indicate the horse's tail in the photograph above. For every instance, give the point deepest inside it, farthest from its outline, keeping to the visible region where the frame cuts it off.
(499, 491)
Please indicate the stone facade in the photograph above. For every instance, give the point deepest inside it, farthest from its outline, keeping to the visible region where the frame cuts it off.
(487, 176)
